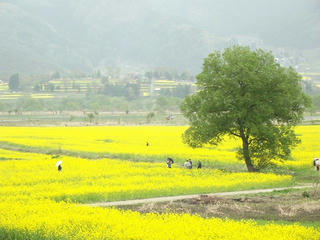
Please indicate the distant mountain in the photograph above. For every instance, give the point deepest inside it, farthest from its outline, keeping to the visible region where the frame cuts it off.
(45, 35)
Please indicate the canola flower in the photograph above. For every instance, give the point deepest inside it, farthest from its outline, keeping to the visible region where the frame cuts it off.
(38, 202)
(85, 180)
(303, 155)
(117, 141)
(50, 220)
(164, 141)
(31, 191)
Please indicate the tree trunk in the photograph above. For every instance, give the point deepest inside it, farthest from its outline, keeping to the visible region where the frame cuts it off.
(246, 155)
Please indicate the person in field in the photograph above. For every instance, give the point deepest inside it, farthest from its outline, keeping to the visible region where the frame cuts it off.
(188, 164)
(58, 164)
(316, 163)
(169, 162)
(147, 144)
(199, 165)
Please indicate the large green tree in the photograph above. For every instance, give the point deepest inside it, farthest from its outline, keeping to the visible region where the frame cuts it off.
(248, 95)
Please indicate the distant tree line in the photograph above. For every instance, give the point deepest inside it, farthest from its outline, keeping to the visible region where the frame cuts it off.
(180, 91)
(91, 103)
(130, 90)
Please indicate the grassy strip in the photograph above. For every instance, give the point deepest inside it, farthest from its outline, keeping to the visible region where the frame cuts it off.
(286, 223)
(144, 194)
(125, 156)
(306, 175)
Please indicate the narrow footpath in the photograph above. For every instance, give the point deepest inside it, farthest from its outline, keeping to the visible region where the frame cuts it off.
(181, 197)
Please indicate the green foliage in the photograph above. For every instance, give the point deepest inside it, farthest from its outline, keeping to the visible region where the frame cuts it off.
(315, 107)
(130, 90)
(179, 91)
(91, 117)
(28, 104)
(246, 94)
(150, 115)
(14, 82)
(71, 118)
(305, 194)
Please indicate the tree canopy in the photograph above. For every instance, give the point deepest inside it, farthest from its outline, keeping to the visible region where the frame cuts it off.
(246, 94)
(14, 82)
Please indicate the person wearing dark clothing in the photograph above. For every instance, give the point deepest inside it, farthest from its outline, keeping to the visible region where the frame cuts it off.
(59, 168)
(316, 163)
(190, 163)
(169, 162)
(147, 144)
(199, 165)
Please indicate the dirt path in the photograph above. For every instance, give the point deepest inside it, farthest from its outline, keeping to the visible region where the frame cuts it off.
(181, 197)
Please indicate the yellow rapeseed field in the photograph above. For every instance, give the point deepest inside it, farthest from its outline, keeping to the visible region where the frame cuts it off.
(38, 202)
(31, 191)
(64, 221)
(163, 141)
(82, 180)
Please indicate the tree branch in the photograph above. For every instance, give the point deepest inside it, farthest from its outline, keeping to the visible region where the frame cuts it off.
(234, 134)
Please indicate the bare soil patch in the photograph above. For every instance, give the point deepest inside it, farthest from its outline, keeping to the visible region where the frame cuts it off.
(291, 206)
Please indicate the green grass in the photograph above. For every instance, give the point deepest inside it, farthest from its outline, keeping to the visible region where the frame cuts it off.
(281, 222)
(277, 192)
(230, 167)
(142, 194)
